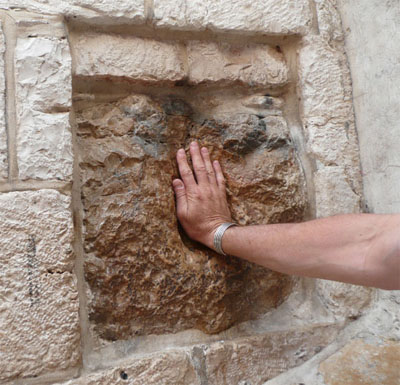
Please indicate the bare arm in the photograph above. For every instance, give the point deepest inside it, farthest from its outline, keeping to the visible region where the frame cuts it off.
(362, 249)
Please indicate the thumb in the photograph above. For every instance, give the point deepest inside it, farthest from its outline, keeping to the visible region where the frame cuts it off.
(180, 193)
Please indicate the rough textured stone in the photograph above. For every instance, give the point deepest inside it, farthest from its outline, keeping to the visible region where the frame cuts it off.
(43, 73)
(328, 121)
(362, 363)
(329, 23)
(145, 275)
(334, 193)
(3, 132)
(158, 369)
(252, 64)
(131, 58)
(101, 12)
(256, 359)
(44, 146)
(344, 300)
(39, 326)
(270, 17)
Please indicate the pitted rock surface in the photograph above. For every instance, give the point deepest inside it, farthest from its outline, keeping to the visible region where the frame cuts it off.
(145, 275)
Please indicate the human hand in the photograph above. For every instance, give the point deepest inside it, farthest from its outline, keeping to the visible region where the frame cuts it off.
(201, 206)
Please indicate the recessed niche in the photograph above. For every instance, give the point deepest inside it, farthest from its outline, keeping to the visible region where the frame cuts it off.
(145, 276)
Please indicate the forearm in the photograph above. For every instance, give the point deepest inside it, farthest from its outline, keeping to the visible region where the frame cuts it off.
(361, 249)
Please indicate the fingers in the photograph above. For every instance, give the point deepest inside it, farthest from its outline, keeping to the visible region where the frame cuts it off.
(198, 164)
(209, 168)
(207, 173)
(184, 170)
(181, 199)
(220, 176)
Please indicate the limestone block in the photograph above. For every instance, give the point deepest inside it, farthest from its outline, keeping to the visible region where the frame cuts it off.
(130, 58)
(329, 23)
(43, 72)
(256, 359)
(270, 17)
(172, 367)
(44, 146)
(342, 299)
(145, 276)
(3, 132)
(360, 362)
(39, 321)
(43, 89)
(252, 64)
(328, 121)
(101, 12)
(333, 193)
(375, 76)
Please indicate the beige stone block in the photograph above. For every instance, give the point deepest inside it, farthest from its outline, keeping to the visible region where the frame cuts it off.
(252, 64)
(43, 100)
(325, 83)
(329, 23)
(44, 146)
(270, 16)
(101, 12)
(334, 193)
(256, 359)
(130, 58)
(43, 73)
(39, 323)
(328, 121)
(167, 368)
(344, 300)
(360, 362)
(3, 132)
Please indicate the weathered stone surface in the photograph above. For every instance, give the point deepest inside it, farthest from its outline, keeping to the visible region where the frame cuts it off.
(172, 367)
(334, 193)
(43, 71)
(131, 58)
(43, 88)
(329, 23)
(252, 64)
(375, 75)
(360, 362)
(270, 17)
(39, 325)
(344, 300)
(328, 121)
(44, 146)
(102, 12)
(145, 275)
(256, 359)
(3, 132)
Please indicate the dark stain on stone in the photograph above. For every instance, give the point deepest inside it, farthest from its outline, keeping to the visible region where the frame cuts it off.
(123, 375)
(176, 106)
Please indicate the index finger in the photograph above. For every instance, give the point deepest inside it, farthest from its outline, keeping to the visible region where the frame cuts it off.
(184, 170)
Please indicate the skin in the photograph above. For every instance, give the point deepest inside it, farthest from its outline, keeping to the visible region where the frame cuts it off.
(362, 249)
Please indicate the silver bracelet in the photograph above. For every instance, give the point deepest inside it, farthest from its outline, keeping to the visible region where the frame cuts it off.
(219, 234)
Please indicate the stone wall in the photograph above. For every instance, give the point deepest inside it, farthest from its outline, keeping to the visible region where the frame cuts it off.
(98, 283)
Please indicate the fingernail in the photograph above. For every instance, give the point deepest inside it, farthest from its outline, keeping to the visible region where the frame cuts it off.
(204, 149)
(181, 151)
(193, 144)
(177, 184)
